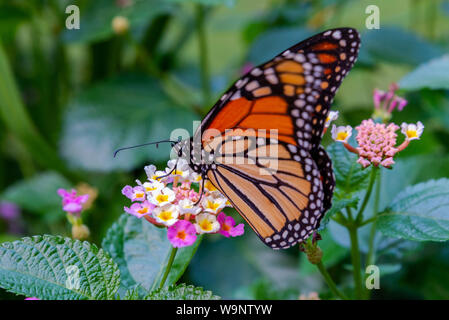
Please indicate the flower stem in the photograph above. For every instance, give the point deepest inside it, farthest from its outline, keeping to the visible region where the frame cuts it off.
(169, 265)
(370, 258)
(372, 179)
(330, 282)
(355, 258)
(205, 76)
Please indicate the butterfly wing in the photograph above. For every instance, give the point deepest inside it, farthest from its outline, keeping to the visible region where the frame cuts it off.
(275, 186)
(279, 108)
(291, 93)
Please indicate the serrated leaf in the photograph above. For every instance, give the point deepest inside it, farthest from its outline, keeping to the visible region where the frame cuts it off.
(182, 292)
(141, 251)
(419, 213)
(132, 293)
(57, 268)
(350, 176)
(432, 75)
(38, 194)
(127, 110)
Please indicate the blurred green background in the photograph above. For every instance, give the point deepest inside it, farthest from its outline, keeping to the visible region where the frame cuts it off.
(69, 98)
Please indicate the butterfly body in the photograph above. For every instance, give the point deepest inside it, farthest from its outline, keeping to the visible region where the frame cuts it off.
(260, 144)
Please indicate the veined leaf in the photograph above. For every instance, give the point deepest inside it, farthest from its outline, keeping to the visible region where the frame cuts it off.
(141, 251)
(349, 174)
(419, 213)
(56, 268)
(182, 292)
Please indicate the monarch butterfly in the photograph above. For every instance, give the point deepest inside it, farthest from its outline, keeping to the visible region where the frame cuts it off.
(280, 182)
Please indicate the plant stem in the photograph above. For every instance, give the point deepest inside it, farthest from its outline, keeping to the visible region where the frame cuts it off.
(370, 258)
(204, 65)
(355, 258)
(372, 179)
(330, 282)
(169, 265)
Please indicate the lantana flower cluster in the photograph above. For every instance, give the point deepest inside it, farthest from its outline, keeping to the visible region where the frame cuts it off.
(171, 199)
(377, 141)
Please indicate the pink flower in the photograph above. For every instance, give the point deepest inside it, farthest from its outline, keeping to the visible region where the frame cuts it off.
(181, 234)
(32, 298)
(376, 143)
(140, 209)
(228, 227)
(386, 102)
(72, 203)
(186, 193)
(135, 194)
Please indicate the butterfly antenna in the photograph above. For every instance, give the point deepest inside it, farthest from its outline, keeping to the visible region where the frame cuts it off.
(144, 144)
(203, 178)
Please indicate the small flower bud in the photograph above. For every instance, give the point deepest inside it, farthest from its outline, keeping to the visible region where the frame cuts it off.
(80, 232)
(120, 25)
(314, 254)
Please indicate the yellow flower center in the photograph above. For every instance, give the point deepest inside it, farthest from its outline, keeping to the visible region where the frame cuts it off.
(162, 198)
(209, 186)
(150, 188)
(206, 225)
(342, 135)
(139, 195)
(178, 172)
(412, 134)
(212, 205)
(181, 235)
(165, 215)
(143, 210)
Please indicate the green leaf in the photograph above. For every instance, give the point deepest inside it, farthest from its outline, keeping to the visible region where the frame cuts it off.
(182, 292)
(350, 175)
(389, 44)
(16, 119)
(419, 213)
(43, 266)
(11, 16)
(125, 111)
(38, 194)
(132, 294)
(141, 251)
(337, 206)
(96, 18)
(433, 75)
